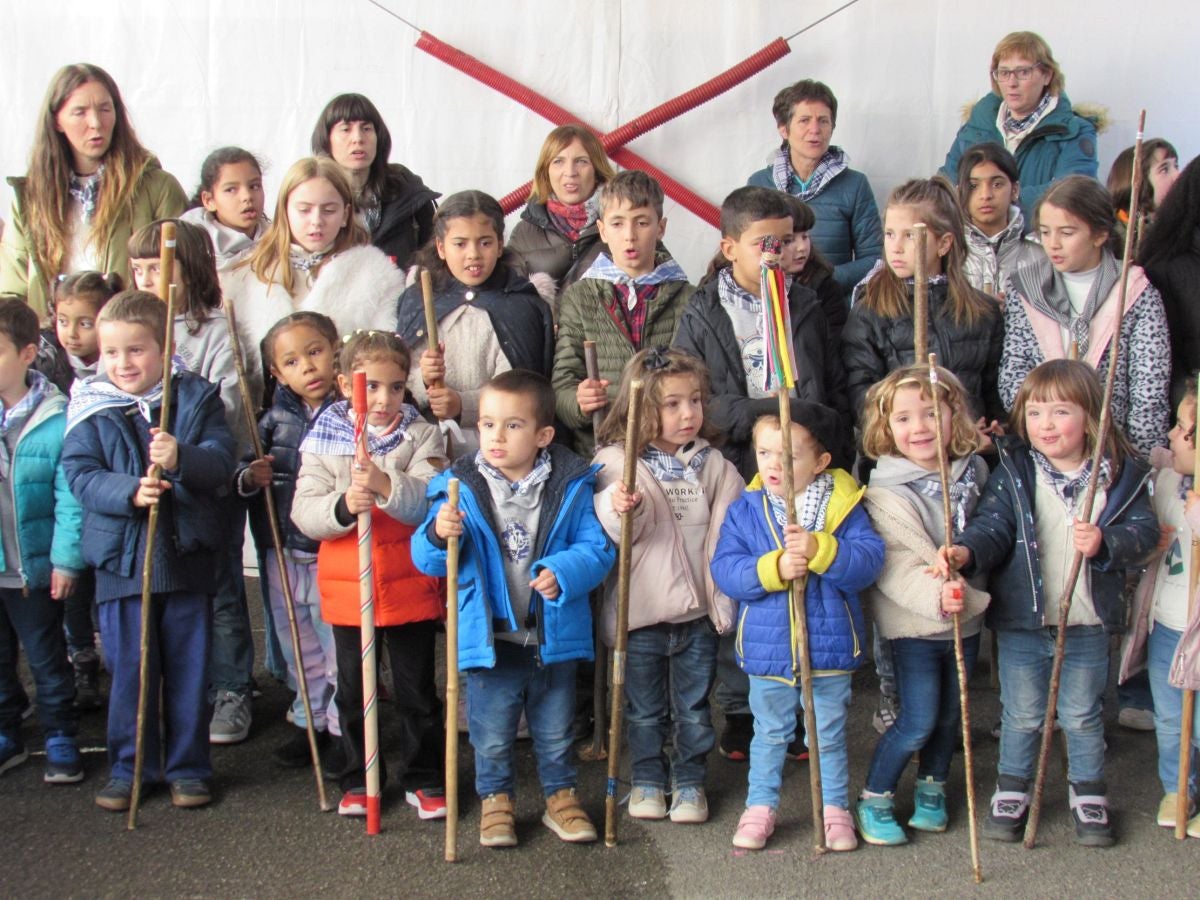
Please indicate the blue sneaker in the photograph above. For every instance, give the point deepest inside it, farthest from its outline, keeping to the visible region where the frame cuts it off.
(877, 821)
(929, 806)
(12, 753)
(64, 765)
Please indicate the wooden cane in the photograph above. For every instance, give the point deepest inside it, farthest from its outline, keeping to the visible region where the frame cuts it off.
(632, 430)
(289, 601)
(920, 293)
(959, 658)
(596, 749)
(1182, 786)
(366, 597)
(452, 684)
(797, 590)
(166, 290)
(431, 320)
(1085, 512)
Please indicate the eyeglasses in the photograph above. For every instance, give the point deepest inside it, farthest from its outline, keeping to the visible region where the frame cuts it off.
(1022, 73)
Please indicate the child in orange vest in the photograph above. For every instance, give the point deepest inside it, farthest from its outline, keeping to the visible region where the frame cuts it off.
(405, 452)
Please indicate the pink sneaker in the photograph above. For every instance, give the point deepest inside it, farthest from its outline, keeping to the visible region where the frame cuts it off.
(839, 829)
(755, 826)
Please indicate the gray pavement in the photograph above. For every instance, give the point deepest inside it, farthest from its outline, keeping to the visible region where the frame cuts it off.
(264, 836)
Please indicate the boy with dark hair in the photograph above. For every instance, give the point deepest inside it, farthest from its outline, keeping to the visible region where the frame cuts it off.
(39, 553)
(112, 445)
(531, 549)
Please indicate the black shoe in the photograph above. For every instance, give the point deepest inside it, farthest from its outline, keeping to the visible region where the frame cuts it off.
(796, 749)
(295, 753)
(1009, 809)
(1089, 809)
(735, 739)
(333, 760)
(86, 664)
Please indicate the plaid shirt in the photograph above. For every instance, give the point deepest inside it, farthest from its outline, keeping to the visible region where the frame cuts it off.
(630, 297)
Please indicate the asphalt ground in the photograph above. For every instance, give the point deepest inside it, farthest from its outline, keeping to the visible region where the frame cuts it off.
(265, 837)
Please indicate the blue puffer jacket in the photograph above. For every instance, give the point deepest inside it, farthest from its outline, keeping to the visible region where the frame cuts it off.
(848, 230)
(1063, 143)
(104, 457)
(1002, 538)
(48, 515)
(574, 547)
(746, 567)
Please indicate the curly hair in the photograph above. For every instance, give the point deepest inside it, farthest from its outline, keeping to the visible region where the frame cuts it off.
(877, 437)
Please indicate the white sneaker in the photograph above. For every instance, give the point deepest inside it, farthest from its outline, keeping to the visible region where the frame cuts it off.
(231, 718)
(1136, 719)
(647, 803)
(689, 806)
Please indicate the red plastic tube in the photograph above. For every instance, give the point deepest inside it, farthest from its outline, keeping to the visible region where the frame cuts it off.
(615, 141)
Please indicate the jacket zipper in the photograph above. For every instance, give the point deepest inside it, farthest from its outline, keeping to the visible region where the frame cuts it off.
(1006, 461)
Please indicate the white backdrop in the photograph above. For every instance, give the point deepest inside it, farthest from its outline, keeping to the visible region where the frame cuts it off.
(200, 74)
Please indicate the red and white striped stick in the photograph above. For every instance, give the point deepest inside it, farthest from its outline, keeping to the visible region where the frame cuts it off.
(366, 597)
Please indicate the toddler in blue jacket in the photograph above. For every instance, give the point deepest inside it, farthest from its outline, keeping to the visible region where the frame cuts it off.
(838, 552)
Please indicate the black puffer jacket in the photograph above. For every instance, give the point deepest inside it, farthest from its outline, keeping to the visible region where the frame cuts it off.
(281, 429)
(706, 332)
(873, 346)
(543, 248)
(1178, 280)
(405, 215)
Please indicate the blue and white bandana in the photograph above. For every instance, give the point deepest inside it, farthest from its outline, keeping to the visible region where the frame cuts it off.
(1014, 126)
(604, 269)
(97, 393)
(685, 465)
(964, 493)
(86, 189)
(332, 433)
(537, 475)
(810, 506)
(302, 261)
(832, 163)
(1071, 488)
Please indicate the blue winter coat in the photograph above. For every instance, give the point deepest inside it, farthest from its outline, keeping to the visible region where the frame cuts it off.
(746, 567)
(573, 546)
(1002, 538)
(104, 457)
(1063, 143)
(848, 230)
(48, 515)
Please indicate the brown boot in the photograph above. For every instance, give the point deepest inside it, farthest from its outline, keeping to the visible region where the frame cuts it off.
(497, 825)
(566, 818)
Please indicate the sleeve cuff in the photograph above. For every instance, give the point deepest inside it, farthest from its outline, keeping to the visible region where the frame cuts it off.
(827, 548)
(768, 572)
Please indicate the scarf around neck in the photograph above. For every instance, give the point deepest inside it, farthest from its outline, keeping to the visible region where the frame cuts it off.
(811, 505)
(1019, 128)
(86, 189)
(684, 465)
(1068, 487)
(303, 261)
(332, 432)
(572, 219)
(97, 393)
(539, 474)
(1045, 289)
(832, 163)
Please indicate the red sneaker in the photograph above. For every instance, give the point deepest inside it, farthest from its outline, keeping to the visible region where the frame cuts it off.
(430, 802)
(353, 802)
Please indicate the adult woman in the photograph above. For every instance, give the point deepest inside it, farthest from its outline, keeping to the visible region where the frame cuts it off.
(847, 231)
(391, 202)
(1028, 112)
(90, 185)
(557, 234)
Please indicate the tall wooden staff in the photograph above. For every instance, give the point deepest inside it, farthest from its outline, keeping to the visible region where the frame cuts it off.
(166, 263)
(1085, 512)
(289, 601)
(632, 430)
(451, 853)
(1189, 696)
(595, 750)
(920, 294)
(959, 659)
(366, 595)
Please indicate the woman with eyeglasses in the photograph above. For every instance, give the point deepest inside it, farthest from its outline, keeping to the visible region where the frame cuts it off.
(1029, 113)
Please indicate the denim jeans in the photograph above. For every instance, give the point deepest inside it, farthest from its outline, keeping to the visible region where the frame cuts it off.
(1025, 661)
(927, 678)
(78, 610)
(231, 664)
(495, 699)
(774, 704)
(669, 671)
(36, 623)
(1168, 709)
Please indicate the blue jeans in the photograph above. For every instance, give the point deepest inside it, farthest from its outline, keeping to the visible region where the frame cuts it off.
(669, 671)
(231, 665)
(35, 622)
(495, 699)
(927, 678)
(774, 704)
(1168, 709)
(1026, 658)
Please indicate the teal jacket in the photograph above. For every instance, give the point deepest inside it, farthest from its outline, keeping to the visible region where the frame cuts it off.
(48, 515)
(1063, 143)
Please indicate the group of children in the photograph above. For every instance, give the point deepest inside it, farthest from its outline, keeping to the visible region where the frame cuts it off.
(496, 402)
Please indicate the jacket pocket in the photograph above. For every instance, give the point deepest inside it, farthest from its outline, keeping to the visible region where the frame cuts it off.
(853, 630)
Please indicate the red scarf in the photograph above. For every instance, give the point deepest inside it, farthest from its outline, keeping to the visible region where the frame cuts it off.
(569, 219)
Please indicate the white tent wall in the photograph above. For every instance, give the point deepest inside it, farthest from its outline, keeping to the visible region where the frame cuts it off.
(254, 73)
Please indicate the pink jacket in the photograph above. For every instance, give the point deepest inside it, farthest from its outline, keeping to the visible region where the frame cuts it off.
(661, 585)
(1100, 332)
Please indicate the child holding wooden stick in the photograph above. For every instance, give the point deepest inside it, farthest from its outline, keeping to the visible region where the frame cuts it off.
(331, 491)
(836, 550)
(912, 608)
(109, 450)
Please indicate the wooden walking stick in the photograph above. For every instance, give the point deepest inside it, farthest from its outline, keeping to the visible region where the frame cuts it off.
(1182, 786)
(624, 563)
(1085, 512)
(366, 595)
(920, 294)
(289, 600)
(595, 750)
(452, 685)
(959, 659)
(166, 263)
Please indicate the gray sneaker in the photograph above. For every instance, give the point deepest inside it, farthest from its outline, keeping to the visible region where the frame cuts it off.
(231, 718)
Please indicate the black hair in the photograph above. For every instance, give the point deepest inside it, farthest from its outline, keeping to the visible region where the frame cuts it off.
(197, 260)
(319, 322)
(210, 170)
(19, 323)
(752, 204)
(98, 287)
(463, 205)
(1175, 222)
(355, 108)
(977, 154)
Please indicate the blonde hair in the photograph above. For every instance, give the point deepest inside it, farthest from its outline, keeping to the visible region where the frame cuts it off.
(652, 367)
(877, 437)
(269, 261)
(556, 141)
(1031, 46)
